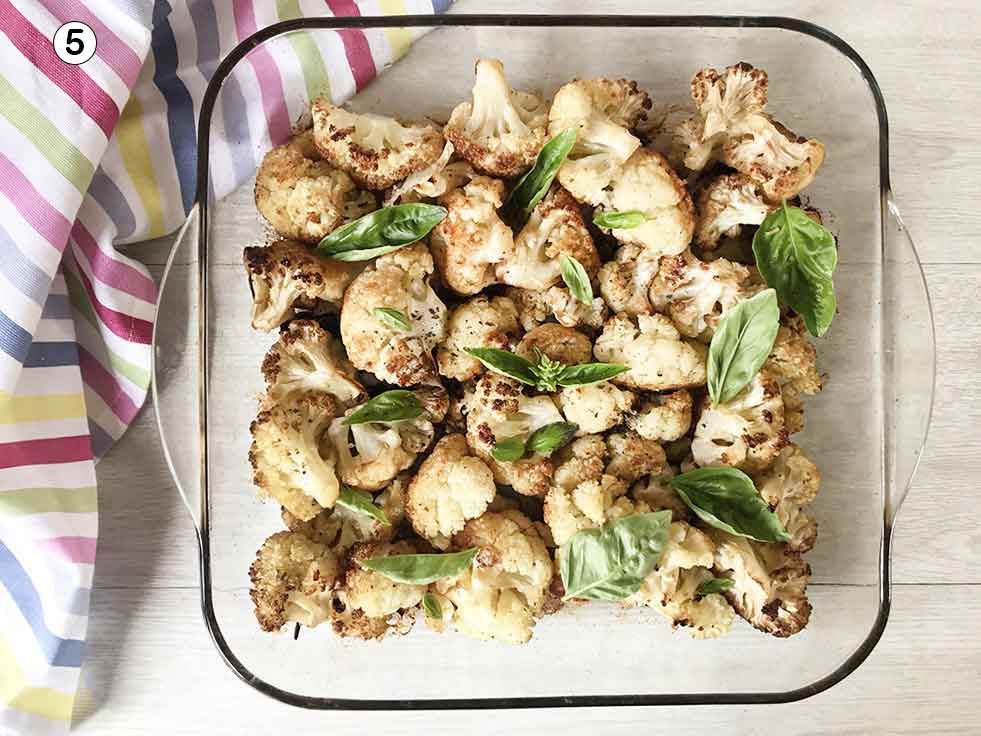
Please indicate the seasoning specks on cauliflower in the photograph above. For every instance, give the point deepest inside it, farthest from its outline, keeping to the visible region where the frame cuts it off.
(663, 417)
(371, 591)
(624, 282)
(724, 205)
(482, 321)
(787, 486)
(556, 342)
(596, 407)
(651, 346)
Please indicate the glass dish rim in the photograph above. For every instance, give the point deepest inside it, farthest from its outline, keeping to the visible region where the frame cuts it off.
(200, 209)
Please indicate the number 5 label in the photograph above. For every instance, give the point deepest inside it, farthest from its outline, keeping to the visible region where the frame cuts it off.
(74, 42)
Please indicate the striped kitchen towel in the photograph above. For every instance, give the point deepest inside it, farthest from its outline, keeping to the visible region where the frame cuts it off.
(92, 156)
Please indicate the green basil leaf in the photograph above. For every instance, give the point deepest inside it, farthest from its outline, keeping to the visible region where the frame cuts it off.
(392, 318)
(551, 437)
(797, 257)
(715, 585)
(625, 220)
(381, 232)
(576, 278)
(420, 569)
(508, 450)
(534, 185)
(547, 371)
(391, 406)
(610, 563)
(587, 373)
(741, 344)
(506, 363)
(727, 499)
(430, 604)
(361, 502)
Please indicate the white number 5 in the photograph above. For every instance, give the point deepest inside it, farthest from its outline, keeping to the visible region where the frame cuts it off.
(74, 42)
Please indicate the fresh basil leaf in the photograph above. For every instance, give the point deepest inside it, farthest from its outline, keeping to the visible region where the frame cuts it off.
(547, 371)
(393, 318)
(610, 563)
(727, 499)
(741, 344)
(430, 604)
(715, 585)
(587, 373)
(509, 449)
(534, 185)
(420, 569)
(551, 437)
(381, 232)
(506, 363)
(576, 278)
(625, 220)
(797, 257)
(361, 502)
(391, 406)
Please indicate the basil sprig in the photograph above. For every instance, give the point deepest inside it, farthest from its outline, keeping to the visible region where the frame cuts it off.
(430, 604)
(545, 374)
(381, 232)
(533, 186)
(714, 585)
(420, 569)
(741, 344)
(543, 441)
(576, 278)
(390, 406)
(361, 502)
(610, 563)
(797, 257)
(727, 499)
(393, 318)
(625, 220)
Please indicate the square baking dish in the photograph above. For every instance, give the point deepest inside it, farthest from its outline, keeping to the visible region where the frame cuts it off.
(865, 431)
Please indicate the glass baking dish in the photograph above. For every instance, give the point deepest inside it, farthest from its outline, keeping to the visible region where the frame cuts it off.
(865, 431)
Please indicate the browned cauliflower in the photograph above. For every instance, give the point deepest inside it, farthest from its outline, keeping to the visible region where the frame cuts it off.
(372, 592)
(490, 322)
(581, 460)
(535, 307)
(596, 407)
(398, 280)
(624, 282)
(663, 417)
(501, 131)
(793, 363)
(375, 150)
(563, 344)
(724, 205)
(286, 276)
(632, 457)
(656, 491)
(651, 346)
(787, 486)
(587, 505)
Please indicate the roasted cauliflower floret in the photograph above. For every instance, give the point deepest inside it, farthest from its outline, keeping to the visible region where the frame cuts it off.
(658, 358)
(399, 280)
(501, 131)
(426, 182)
(787, 486)
(450, 488)
(602, 111)
(656, 491)
(303, 197)
(535, 307)
(554, 228)
(506, 588)
(498, 410)
(724, 205)
(793, 363)
(587, 505)
(596, 407)
(747, 432)
(480, 322)
(371, 591)
(769, 582)
(287, 276)
(563, 344)
(375, 150)
(632, 457)
(581, 460)
(624, 282)
(292, 577)
(308, 358)
(287, 462)
(472, 241)
(663, 417)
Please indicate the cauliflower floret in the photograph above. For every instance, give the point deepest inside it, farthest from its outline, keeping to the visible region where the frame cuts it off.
(787, 486)
(632, 457)
(481, 322)
(648, 184)
(555, 228)
(308, 358)
(422, 183)
(658, 358)
(398, 280)
(625, 281)
(286, 457)
(303, 197)
(535, 307)
(656, 491)
(596, 407)
(499, 410)
(506, 589)
(747, 432)
(372, 592)
(287, 276)
(696, 294)
(502, 130)
(769, 582)
(663, 417)
(602, 111)
(375, 150)
(563, 344)
(792, 363)
(450, 488)
(471, 241)
(292, 577)
(723, 206)
(584, 506)
(581, 460)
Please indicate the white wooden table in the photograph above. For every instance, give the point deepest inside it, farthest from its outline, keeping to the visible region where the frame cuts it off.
(151, 667)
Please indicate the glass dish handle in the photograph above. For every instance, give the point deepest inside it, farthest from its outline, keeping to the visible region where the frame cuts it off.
(909, 359)
(175, 366)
